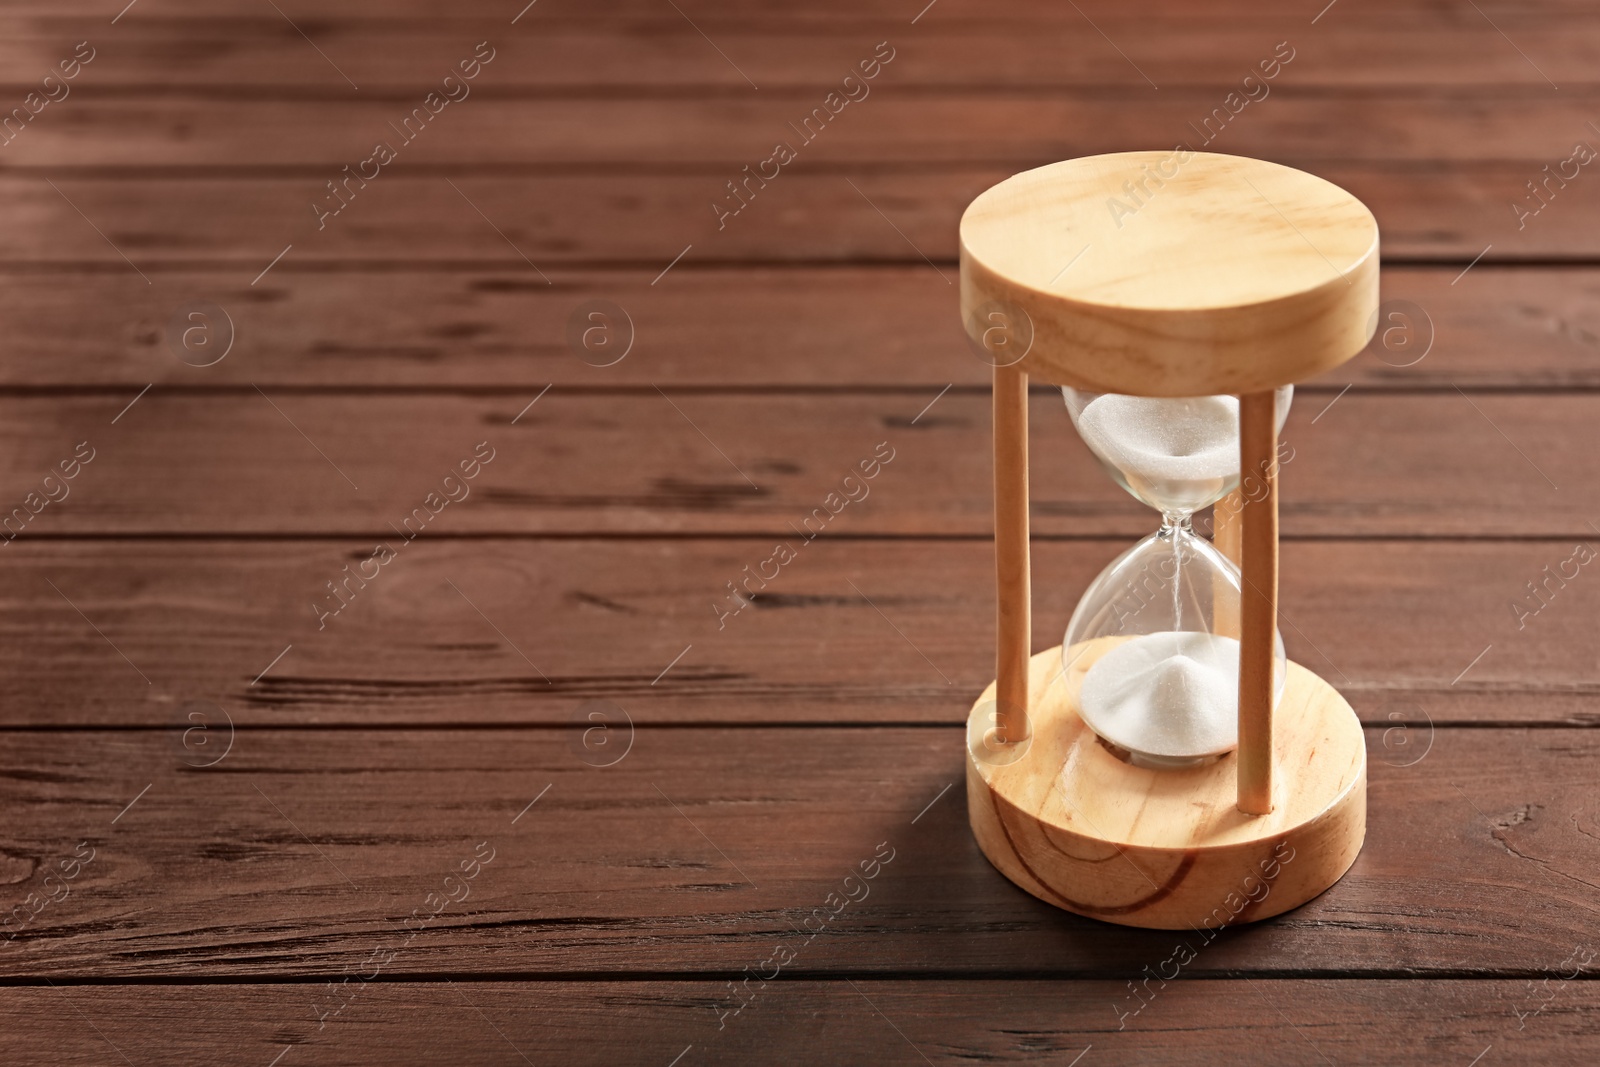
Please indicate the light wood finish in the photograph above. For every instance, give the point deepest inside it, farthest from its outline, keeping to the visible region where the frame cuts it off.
(1013, 587)
(1258, 601)
(1213, 274)
(1175, 273)
(1080, 828)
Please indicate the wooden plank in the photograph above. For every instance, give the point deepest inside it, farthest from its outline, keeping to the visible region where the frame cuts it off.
(774, 12)
(235, 228)
(721, 464)
(303, 851)
(261, 853)
(784, 326)
(1415, 634)
(1016, 129)
(878, 1021)
(236, 52)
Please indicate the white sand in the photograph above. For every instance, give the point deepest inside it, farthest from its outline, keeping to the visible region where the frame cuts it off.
(1166, 447)
(1167, 695)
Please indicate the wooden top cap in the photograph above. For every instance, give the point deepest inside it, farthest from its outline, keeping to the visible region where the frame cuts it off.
(1173, 273)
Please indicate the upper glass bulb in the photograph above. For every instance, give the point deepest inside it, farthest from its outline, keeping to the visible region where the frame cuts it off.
(1176, 454)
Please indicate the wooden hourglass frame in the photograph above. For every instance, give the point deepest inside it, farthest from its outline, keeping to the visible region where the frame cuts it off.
(1164, 274)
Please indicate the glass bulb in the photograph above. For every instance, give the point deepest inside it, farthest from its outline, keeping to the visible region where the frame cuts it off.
(1152, 650)
(1175, 454)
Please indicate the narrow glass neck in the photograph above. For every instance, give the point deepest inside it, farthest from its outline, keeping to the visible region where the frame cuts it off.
(1175, 521)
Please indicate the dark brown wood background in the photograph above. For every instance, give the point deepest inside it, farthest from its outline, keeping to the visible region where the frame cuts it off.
(268, 803)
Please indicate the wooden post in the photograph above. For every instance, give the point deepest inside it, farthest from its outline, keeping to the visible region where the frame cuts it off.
(1258, 599)
(1013, 621)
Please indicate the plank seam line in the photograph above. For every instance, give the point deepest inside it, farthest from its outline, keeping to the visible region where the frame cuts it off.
(1376, 727)
(180, 537)
(717, 977)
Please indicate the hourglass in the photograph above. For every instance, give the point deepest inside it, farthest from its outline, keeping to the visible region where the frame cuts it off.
(1167, 765)
(1160, 624)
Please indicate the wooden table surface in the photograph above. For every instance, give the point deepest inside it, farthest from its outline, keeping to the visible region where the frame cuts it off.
(374, 690)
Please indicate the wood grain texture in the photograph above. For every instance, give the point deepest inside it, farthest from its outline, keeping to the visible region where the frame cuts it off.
(1394, 625)
(886, 125)
(1258, 614)
(825, 12)
(884, 326)
(418, 322)
(285, 462)
(1201, 847)
(1236, 276)
(1212, 1022)
(1012, 550)
(393, 49)
(644, 219)
(299, 854)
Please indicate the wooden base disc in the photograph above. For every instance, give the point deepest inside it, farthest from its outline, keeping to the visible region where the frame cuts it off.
(1064, 817)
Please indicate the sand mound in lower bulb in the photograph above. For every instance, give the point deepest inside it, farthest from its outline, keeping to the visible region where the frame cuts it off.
(1168, 698)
